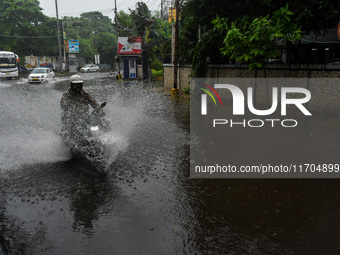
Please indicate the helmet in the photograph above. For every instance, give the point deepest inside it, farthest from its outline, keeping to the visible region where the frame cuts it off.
(76, 83)
(75, 79)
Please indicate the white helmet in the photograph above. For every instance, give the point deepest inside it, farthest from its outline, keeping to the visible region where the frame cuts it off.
(75, 79)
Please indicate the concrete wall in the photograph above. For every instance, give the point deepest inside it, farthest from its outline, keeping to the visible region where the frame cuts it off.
(325, 93)
(35, 61)
(139, 72)
(183, 79)
(229, 71)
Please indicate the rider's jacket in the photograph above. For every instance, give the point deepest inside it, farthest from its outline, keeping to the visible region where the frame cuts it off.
(75, 110)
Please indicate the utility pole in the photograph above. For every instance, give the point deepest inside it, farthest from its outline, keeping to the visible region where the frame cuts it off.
(64, 41)
(174, 90)
(116, 24)
(59, 45)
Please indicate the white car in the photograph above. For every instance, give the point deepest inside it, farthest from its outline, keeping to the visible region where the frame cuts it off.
(89, 68)
(41, 74)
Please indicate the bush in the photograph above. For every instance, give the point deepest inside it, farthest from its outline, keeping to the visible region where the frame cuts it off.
(156, 64)
(186, 90)
(156, 73)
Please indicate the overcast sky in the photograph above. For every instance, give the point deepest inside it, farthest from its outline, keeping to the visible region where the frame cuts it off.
(76, 7)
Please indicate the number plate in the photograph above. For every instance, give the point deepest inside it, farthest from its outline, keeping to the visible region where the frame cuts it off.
(35, 79)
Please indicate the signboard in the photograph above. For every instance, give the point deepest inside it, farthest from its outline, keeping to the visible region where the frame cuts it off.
(338, 30)
(72, 46)
(48, 65)
(172, 14)
(64, 38)
(96, 59)
(129, 45)
(7, 55)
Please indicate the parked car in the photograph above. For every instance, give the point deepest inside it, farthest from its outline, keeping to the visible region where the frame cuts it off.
(41, 74)
(89, 68)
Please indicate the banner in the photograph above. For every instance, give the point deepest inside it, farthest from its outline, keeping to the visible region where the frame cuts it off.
(129, 45)
(72, 46)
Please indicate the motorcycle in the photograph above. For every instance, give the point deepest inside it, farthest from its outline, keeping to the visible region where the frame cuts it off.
(86, 140)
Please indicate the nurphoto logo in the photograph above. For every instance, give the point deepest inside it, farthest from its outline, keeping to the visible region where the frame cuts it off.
(238, 99)
(264, 127)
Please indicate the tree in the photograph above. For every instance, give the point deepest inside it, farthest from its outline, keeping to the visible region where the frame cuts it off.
(46, 44)
(198, 43)
(107, 47)
(311, 15)
(254, 41)
(126, 25)
(141, 17)
(27, 31)
(96, 21)
(160, 34)
(20, 26)
(94, 31)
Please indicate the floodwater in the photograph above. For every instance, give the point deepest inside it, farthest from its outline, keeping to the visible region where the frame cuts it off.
(147, 204)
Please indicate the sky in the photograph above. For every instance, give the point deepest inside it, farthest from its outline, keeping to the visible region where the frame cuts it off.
(76, 7)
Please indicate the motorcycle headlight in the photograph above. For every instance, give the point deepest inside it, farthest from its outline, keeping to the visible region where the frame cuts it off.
(95, 128)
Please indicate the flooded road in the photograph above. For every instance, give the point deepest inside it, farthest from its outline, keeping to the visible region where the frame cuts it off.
(147, 204)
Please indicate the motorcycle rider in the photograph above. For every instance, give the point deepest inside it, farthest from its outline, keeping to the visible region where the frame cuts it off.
(75, 109)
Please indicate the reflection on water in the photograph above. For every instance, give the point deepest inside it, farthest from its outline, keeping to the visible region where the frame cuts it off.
(87, 201)
(147, 204)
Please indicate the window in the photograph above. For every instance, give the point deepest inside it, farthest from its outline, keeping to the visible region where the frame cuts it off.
(132, 63)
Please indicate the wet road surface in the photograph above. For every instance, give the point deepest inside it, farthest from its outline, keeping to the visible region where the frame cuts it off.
(147, 204)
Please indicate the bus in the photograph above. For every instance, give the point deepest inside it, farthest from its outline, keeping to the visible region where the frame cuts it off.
(8, 65)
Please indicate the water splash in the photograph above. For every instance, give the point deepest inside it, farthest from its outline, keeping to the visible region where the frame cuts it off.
(30, 120)
(29, 126)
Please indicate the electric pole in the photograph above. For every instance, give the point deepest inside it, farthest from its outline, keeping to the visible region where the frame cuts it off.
(116, 24)
(174, 90)
(59, 45)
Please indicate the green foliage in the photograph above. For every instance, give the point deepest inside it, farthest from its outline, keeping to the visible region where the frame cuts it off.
(23, 29)
(141, 15)
(163, 49)
(95, 34)
(27, 31)
(198, 42)
(126, 25)
(95, 22)
(310, 15)
(107, 47)
(86, 49)
(254, 41)
(156, 73)
(147, 35)
(160, 38)
(205, 48)
(13, 4)
(186, 90)
(156, 64)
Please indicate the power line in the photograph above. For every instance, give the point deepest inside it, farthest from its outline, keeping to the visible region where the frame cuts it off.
(67, 14)
(125, 2)
(153, 4)
(159, 7)
(24, 36)
(41, 37)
